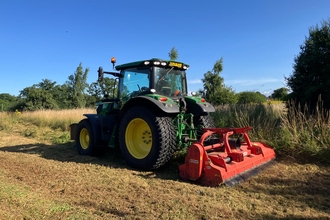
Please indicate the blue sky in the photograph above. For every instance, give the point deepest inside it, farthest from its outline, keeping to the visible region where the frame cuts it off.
(257, 39)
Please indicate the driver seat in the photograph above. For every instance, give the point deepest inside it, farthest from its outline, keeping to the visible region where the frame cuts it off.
(164, 87)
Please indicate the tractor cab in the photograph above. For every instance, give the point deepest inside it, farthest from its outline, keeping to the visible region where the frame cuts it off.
(159, 78)
(155, 76)
(159, 84)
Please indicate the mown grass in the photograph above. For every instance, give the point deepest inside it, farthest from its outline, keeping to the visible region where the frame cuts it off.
(43, 177)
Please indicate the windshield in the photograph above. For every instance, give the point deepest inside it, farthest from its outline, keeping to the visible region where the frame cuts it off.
(170, 81)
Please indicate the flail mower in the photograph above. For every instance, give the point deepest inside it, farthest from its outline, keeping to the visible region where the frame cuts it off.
(150, 116)
(225, 160)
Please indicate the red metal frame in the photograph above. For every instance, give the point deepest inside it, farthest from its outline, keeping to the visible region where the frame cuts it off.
(214, 164)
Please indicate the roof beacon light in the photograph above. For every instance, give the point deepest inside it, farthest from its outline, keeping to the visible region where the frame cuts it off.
(113, 61)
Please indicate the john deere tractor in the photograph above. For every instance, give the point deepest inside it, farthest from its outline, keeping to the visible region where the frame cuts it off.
(149, 118)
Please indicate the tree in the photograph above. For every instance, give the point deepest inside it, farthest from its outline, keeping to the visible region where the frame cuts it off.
(250, 97)
(77, 86)
(61, 94)
(106, 87)
(311, 69)
(280, 94)
(7, 101)
(46, 84)
(39, 96)
(215, 90)
(173, 54)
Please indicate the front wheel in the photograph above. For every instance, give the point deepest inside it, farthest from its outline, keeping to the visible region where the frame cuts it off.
(85, 138)
(146, 141)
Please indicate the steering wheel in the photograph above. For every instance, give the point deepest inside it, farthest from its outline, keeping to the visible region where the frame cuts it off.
(144, 88)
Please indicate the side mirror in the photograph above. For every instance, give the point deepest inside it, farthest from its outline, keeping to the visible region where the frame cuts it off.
(100, 75)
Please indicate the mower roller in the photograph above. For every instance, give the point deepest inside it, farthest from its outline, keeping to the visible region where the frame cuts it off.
(150, 115)
(225, 161)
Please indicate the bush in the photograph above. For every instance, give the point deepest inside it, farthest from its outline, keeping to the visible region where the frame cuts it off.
(250, 97)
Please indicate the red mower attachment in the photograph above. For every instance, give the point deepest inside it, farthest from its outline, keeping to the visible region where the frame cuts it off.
(224, 160)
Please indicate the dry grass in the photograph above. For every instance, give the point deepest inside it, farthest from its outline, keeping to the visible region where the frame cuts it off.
(304, 136)
(56, 119)
(43, 180)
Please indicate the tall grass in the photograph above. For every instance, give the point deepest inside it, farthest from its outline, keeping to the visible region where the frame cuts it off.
(44, 125)
(55, 119)
(306, 134)
(6, 120)
(264, 118)
(290, 132)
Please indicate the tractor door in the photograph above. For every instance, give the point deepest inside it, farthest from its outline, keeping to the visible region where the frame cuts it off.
(134, 81)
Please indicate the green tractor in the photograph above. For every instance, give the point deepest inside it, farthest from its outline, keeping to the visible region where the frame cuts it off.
(149, 118)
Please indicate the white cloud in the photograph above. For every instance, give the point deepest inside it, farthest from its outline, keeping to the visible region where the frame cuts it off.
(268, 92)
(250, 82)
(195, 81)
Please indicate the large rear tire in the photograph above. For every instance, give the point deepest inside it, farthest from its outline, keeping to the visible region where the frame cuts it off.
(146, 141)
(85, 138)
(207, 121)
(201, 122)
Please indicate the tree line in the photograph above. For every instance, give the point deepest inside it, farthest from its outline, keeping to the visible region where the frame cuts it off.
(77, 93)
(74, 93)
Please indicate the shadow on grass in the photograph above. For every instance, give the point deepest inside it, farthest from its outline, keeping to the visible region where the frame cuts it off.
(109, 157)
(68, 153)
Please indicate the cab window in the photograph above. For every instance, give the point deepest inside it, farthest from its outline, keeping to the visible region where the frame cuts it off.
(135, 81)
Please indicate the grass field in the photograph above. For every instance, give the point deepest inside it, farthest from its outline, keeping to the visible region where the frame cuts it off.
(43, 177)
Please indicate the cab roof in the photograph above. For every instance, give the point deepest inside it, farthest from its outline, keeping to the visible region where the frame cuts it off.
(154, 62)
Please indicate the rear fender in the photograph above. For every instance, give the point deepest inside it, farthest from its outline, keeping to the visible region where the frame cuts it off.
(198, 106)
(153, 104)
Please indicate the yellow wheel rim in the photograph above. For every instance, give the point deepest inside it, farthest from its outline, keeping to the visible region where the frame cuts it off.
(138, 138)
(84, 138)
